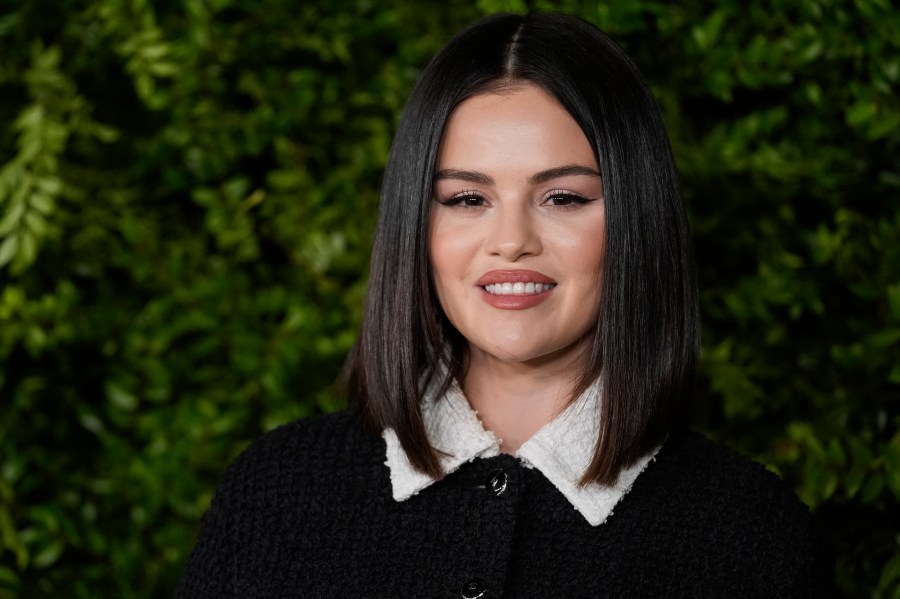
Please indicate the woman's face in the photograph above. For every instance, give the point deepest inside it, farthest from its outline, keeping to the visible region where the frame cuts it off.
(516, 234)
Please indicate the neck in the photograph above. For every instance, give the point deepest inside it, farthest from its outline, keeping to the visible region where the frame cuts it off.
(514, 400)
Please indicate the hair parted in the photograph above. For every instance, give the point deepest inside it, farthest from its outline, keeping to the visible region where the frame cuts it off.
(646, 341)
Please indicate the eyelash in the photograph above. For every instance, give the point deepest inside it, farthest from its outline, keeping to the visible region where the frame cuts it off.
(574, 199)
(458, 199)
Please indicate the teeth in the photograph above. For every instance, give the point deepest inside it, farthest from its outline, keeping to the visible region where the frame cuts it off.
(518, 288)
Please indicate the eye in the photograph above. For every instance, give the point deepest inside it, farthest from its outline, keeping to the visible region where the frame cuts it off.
(564, 199)
(466, 199)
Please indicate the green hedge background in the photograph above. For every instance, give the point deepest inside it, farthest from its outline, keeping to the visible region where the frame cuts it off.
(187, 196)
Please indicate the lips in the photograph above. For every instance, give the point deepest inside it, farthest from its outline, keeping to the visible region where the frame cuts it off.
(513, 276)
(515, 289)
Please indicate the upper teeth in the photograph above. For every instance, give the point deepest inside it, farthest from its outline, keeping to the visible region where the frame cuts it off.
(517, 288)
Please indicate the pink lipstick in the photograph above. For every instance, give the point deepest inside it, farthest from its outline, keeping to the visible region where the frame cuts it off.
(515, 289)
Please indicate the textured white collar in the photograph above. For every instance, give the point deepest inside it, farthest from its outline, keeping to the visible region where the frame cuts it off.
(561, 450)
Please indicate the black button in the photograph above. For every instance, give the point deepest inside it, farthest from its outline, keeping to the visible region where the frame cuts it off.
(497, 482)
(473, 589)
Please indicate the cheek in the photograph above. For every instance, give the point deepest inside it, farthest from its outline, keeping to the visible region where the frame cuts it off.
(449, 251)
(437, 257)
(580, 247)
(593, 246)
(445, 263)
(596, 261)
(585, 256)
(594, 268)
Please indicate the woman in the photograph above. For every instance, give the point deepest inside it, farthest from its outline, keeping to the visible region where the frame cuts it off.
(521, 377)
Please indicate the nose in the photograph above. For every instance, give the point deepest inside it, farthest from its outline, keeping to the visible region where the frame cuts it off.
(514, 234)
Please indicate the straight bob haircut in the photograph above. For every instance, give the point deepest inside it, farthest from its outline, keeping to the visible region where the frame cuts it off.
(646, 339)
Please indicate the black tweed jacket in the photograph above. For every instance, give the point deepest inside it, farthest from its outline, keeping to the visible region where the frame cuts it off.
(307, 511)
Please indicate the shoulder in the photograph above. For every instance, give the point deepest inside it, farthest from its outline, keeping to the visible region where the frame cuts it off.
(278, 491)
(710, 481)
(307, 453)
(710, 472)
(727, 513)
(337, 433)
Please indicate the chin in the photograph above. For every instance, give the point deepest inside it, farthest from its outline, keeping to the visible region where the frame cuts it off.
(518, 351)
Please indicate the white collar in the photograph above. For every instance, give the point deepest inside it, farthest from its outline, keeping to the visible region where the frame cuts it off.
(561, 450)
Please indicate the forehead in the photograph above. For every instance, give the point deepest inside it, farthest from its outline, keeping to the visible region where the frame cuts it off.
(522, 126)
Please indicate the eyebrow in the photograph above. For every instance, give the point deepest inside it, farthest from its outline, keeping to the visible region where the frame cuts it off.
(541, 177)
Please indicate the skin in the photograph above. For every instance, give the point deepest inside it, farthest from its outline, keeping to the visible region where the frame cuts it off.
(518, 189)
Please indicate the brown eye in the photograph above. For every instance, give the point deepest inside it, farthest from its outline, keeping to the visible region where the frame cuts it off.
(566, 199)
(465, 200)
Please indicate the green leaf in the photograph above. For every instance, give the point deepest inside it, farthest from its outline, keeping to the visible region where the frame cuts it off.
(872, 488)
(853, 480)
(12, 217)
(48, 555)
(35, 223)
(836, 453)
(8, 249)
(893, 292)
(41, 202)
(154, 52)
(884, 339)
(492, 6)
(30, 117)
(894, 374)
(164, 69)
(861, 112)
(27, 251)
(11, 539)
(8, 578)
(890, 574)
(120, 398)
(49, 185)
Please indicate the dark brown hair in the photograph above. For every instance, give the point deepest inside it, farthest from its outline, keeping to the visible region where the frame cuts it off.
(646, 340)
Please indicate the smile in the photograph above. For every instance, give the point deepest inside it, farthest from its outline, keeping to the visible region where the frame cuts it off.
(515, 289)
(518, 288)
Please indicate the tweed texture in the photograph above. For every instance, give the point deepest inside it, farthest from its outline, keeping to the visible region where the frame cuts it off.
(307, 511)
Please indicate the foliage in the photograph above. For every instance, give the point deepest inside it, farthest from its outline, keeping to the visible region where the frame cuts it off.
(187, 195)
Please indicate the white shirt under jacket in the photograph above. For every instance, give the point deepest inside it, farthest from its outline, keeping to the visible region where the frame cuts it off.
(561, 450)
